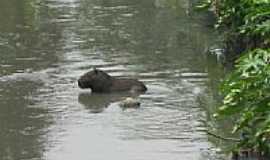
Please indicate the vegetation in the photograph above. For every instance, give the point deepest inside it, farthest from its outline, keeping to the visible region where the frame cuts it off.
(247, 22)
(247, 95)
(247, 89)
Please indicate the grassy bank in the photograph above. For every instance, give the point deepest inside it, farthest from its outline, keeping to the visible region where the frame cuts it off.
(246, 90)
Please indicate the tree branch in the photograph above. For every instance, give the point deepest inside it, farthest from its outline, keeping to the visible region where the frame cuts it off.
(222, 138)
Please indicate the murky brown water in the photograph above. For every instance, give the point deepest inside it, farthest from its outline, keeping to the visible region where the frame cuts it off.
(46, 45)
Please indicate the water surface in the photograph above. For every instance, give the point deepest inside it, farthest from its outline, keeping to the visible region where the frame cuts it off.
(46, 45)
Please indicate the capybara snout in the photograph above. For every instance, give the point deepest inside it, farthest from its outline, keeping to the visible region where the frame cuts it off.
(81, 84)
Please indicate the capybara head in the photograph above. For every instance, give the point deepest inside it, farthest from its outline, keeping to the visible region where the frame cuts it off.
(96, 79)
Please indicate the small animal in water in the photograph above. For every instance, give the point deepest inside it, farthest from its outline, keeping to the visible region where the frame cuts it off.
(130, 103)
(101, 82)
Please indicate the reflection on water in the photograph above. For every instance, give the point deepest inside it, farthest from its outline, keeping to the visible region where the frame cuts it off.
(46, 45)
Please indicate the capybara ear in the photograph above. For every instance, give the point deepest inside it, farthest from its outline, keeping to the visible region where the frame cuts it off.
(95, 70)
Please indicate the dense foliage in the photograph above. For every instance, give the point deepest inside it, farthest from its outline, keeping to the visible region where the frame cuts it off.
(247, 95)
(247, 89)
(247, 22)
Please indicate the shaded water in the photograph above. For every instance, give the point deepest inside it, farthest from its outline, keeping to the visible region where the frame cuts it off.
(46, 45)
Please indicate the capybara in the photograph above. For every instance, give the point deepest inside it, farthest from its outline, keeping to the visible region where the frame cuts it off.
(101, 82)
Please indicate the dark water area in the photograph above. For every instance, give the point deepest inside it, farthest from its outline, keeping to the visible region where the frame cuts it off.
(46, 45)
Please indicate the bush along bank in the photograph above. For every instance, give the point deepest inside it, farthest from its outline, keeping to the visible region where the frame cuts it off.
(247, 23)
(246, 90)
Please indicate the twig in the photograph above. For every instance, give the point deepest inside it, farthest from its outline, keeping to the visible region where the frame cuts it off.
(223, 138)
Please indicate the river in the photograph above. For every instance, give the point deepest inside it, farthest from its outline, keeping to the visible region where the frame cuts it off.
(46, 45)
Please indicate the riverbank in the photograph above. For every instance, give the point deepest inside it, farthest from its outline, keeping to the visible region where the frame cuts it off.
(246, 90)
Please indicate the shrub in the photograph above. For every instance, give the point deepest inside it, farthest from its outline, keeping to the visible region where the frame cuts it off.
(247, 97)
